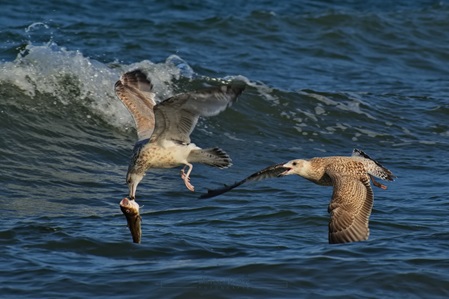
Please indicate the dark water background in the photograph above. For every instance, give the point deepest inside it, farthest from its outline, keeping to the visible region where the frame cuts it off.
(323, 77)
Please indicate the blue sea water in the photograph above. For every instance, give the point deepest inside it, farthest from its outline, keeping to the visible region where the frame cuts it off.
(323, 77)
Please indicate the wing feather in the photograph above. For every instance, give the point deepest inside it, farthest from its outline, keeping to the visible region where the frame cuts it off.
(136, 93)
(351, 204)
(272, 171)
(176, 117)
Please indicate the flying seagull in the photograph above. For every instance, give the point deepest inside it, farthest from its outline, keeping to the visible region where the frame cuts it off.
(164, 129)
(352, 198)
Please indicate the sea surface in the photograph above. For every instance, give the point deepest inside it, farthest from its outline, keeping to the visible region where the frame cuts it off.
(322, 78)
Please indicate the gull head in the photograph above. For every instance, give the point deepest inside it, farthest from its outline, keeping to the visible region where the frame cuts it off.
(133, 179)
(297, 166)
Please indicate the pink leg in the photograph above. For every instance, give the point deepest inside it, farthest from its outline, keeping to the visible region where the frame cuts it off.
(186, 177)
(377, 184)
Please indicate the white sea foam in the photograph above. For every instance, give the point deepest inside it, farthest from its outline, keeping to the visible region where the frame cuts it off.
(68, 77)
(352, 105)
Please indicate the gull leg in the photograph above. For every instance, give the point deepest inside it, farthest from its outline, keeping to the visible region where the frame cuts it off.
(377, 184)
(186, 177)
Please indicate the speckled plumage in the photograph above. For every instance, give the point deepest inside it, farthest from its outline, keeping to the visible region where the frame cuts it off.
(164, 129)
(352, 197)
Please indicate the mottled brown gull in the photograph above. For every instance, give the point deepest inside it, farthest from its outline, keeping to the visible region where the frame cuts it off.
(352, 198)
(164, 129)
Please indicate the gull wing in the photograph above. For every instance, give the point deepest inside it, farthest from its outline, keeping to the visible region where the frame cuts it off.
(176, 117)
(136, 93)
(272, 171)
(351, 204)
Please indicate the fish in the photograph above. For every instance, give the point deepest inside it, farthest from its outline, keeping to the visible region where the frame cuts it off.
(131, 210)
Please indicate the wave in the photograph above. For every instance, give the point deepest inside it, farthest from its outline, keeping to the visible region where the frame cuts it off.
(54, 82)
(51, 75)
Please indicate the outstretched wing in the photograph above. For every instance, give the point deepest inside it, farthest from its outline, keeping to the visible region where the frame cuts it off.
(272, 171)
(351, 204)
(177, 116)
(136, 93)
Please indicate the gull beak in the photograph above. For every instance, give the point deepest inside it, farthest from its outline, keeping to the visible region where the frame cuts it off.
(287, 168)
(133, 180)
(130, 209)
(132, 191)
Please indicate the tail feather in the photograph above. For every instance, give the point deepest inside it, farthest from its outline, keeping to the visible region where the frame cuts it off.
(211, 156)
(377, 169)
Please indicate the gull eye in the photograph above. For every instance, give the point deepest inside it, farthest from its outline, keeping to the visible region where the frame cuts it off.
(294, 163)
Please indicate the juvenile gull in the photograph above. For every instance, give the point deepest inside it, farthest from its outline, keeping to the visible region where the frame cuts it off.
(136, 93)
(163, 132)
(352, 197)
(164, 129)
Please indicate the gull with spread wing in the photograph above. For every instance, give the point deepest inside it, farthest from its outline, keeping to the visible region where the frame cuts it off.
(164, 129)
(352, 198)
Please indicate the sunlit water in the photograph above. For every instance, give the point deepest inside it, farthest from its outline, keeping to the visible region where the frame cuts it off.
(322, 78)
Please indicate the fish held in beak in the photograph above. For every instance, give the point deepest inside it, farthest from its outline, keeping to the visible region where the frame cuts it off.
(130, 208)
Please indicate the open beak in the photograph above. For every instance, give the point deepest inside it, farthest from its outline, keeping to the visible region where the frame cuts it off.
(130, 209)
(286, 169)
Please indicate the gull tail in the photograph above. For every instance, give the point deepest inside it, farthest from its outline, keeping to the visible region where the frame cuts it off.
(211, 156)
(375, 168)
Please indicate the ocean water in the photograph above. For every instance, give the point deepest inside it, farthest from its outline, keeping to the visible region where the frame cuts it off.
(323, 77)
